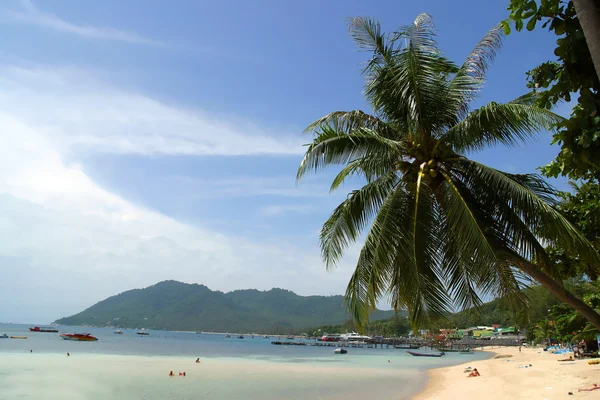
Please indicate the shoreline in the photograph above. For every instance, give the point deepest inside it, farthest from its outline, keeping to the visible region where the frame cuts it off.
(513, 377)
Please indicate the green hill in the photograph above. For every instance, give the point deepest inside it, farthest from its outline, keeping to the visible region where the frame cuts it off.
(172, 305)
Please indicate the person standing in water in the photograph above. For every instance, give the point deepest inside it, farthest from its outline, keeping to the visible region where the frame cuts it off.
(171, 373)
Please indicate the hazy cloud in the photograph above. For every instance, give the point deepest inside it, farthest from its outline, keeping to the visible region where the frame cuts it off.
(30, 14)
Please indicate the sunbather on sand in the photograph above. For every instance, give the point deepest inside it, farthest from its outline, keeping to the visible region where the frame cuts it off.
(474, 374)
(567, 359)
(595, 387)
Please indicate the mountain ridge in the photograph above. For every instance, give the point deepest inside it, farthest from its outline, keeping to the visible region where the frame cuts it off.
(173, 305)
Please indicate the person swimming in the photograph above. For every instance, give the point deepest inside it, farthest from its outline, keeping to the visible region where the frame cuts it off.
(184, 373)
(171, 373)
(68, 355)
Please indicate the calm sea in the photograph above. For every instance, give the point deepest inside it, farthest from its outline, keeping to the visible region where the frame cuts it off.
(130, 366)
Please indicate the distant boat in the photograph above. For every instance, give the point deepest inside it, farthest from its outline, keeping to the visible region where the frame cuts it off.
(414, 353)
(265, 337)
(340, 351)
(79, 337)
(18, 337)
(227, 336)
(354, 337)
(4, 336)
(291, 338)
(143, 333)
(42, 329)
(240, 336)
(330, 338)
(118, 332)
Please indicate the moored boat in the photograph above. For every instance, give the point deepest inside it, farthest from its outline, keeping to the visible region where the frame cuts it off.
(340, 351)
(355, 337)
(43, 329)
(118, 332)
(414, 353)
(143, 333)
(330, 338)
(80, 337)
(4, 336)
(18, 337)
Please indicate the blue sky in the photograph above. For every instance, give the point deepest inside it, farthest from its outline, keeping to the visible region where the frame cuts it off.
(151, 140)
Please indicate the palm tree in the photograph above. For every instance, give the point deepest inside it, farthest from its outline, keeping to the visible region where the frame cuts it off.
(445, 230)
(588, 12)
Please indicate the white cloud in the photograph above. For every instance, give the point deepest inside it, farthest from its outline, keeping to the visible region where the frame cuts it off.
(282, 209)
(77, 109)
(67, 243)
(32, 15)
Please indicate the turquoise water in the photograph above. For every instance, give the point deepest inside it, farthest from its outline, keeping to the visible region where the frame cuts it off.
(129, 366)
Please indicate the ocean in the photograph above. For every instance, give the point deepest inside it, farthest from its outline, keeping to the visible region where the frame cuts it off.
(130, 366)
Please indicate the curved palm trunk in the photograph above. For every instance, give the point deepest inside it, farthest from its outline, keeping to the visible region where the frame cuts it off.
(588, 12)
(559, 291)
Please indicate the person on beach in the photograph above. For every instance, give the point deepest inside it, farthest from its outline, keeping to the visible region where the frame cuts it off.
(184, 373)
(198, 360)
(567, 359)
(474, 373)
(171, 373)
(68, 355)
(595, 387)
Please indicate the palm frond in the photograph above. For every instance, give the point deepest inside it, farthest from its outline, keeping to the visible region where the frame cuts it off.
(385, 240)
(350, 217)
(334, 147)
(542, 218)
(348, 121)
(508, 124)
(469, 79)
(367, 35)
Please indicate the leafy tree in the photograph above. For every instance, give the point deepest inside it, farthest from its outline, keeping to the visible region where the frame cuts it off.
(582, 208)
(444, 229)
(573, 74)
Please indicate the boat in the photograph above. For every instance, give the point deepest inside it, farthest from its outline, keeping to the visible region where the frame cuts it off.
(354, 337)
(340, 351)
(330, 338)
(227, 336)
(265, 337)
(79, 337)
(43, 329)
(118, 332)
(18, 337)
(143, 333)
(4, 336)
(290, 338)
(240, 336)
(414, 353)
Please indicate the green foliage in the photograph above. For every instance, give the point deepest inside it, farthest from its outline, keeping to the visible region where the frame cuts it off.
(442, 230)
(582, 208)
(572, 75)
(172, 305)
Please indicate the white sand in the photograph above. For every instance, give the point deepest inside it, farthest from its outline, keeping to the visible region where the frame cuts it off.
(547, 378)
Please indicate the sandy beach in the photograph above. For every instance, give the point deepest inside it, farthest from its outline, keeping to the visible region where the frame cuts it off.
(503, 378)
